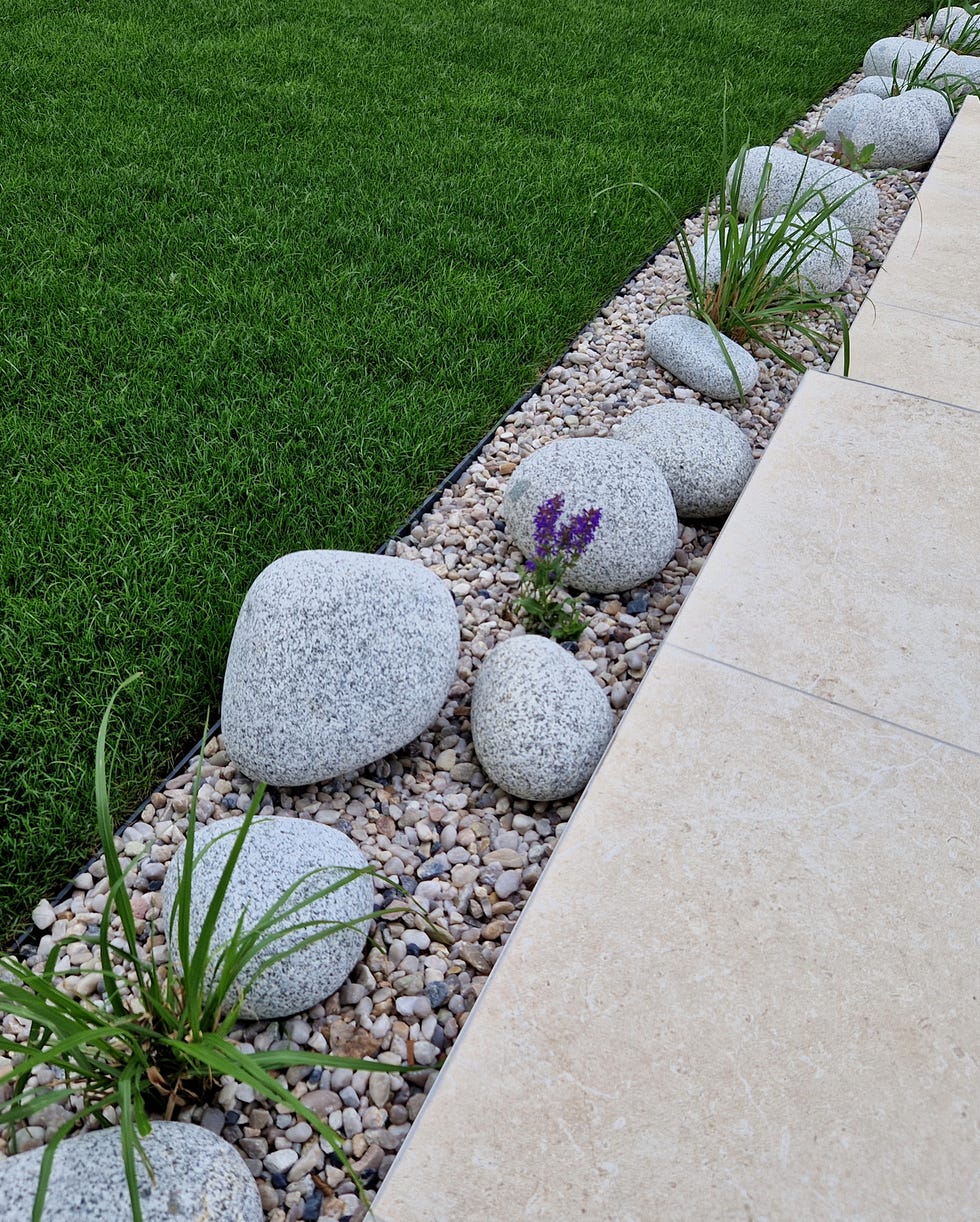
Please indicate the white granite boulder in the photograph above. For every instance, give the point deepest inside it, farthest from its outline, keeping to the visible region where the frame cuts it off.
(540, 721)
(946, 16)
(637, 535)
(705, 457)
(337, 659)
(897, 57)
(793, 177)
(196, 1175)
(902, 57)
(936, 101)
(690, 350)
(902, 129)
(822, 252)
(277, 853)
(964, 29)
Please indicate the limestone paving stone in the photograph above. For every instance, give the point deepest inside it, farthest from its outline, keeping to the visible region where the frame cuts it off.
(637, 534)
(902, 129)
(337, 659)
(705, 457)
(540, 721)
(277, 854)
(792, 175)
(197, 1176)
(690, 350)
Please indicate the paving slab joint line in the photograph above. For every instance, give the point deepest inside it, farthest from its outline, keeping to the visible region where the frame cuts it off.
(802, 691)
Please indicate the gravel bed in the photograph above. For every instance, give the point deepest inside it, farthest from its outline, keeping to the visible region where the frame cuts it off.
(428, 817)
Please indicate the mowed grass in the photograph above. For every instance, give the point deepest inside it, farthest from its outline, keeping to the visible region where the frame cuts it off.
(269, 269)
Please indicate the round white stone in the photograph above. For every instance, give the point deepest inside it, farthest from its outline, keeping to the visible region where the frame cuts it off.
(902, 129)
(540, 721)
(637, 534)
(933, 99)
(197, 1175)
(279, 852)
(705, 457)
(337, 659)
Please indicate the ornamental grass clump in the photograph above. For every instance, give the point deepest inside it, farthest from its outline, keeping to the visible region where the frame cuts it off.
(544, 605)
(762, 291)
(158, 1039)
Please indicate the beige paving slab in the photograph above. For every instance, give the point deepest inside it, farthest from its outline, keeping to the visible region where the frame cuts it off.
(918, 353)
(746, 986)
(851, 565)
(934, 263)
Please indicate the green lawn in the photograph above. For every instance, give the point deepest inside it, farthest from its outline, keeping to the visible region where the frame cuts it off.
(269, 269)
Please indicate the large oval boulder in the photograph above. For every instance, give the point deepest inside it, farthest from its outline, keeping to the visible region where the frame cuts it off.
(934, 100)
(696, 356)
(540, 721)
(807, 181)
(195, 1175)
(279, 852)
(637, 534)
(705, 457)
(962, 31)
(818, 251)
(337, 659)
(945, 17)
(900, 58)
(903, 128)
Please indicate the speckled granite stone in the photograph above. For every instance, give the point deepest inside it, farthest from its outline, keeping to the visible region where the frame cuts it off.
(902, 129)
(824, 252)
(881, 87)
(638, 531)
(540, 721)
(943, 17)
(792, 174)
(689, 350)
(277, 853)
(705, 457)
(962, 26)
(197, 1176)
(337, 659)
(899, 56)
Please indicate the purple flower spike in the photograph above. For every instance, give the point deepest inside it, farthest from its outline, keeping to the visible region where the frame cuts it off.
(545, 521)
(579, 533)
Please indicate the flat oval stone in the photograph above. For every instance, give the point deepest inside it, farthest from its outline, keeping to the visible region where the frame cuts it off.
(637, 534)
(278, 852)
(792, 175)
(689, 349)
(900, 56)
(540, 721)
(198, 1175)
(337, 659)
(705, 457)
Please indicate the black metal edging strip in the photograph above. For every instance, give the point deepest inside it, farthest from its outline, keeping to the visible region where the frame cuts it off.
(32, 935)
